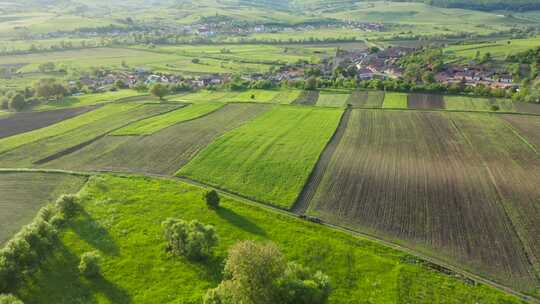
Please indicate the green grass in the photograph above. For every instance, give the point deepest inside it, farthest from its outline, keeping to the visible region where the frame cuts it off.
(122, 220)
(465, 103)
(153, 124)
(269, 158)
(395, 101)
(264, 96)
(23, 193)
(89, 99)
(331, 99)
(498, 49)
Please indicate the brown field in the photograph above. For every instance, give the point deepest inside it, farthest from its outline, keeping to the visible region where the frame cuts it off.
(526, 126)
(163, 152)
(375, 99)
(525, 107)
(413, 178)
(28, 121)
(425, 101)
(307, 98)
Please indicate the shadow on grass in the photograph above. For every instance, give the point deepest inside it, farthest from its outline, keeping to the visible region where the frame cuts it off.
(240, 221)
(59, 281)
(93, 233)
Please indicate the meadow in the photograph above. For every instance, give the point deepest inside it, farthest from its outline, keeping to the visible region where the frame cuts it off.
(395, 101)
(24, 193)
(121, 219)
(498, 49)
(270, 158)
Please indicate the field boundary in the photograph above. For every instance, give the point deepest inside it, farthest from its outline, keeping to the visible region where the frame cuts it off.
(430, 262)
(310, 187)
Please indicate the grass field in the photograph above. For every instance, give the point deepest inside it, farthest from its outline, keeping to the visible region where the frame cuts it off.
(498, 49)
(413, 178)
(154, 124)
(163, 152)
(331, 99)
(23, 193)
(89, 99)
(307, 98)
(269, 158)
(465, 103)
(121, 220)
(395, 101)
(59, 140)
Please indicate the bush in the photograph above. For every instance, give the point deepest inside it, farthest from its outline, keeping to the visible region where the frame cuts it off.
(495, 108)
(9, 299)
(89, 264)
(67, 205)
(191, 239)
(212, 199)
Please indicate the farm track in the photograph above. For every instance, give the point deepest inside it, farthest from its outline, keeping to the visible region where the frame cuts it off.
(315, 177)
(428, 261)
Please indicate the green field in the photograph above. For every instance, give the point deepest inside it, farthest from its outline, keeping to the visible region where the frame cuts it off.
(395, 101)
(465, 103)
(23, 193)
(332, 99)
(89, 99)
(151, 125)
(498, 49)
(121, 219)
(270, 158)
(283, 96)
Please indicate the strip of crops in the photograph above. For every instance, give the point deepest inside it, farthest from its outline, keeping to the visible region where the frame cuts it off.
(332, 100)
(526, 126)
(162, 152)
(270, 158)
(28, 121)
(358, 99)
(466, 103)
(307, 98)
(525, 107)
(153, 124)
(64, 126)
(23, 193)
(38, 150)
(412, 176)
(286, 96)
(375, 99)
(395, 101)
(515, 169)
(425, 101)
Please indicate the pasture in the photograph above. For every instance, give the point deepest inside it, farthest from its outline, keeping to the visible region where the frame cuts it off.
(162, 152)
(24, 193)
(270, 158)
(422, 179)
(121, 219)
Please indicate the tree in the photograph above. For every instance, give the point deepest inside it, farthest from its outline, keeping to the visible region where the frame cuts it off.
(212, 199)
(46, 67)
(119, 84)
(195, 60)
(193, 240)
(17, 102)
(67, 205)
(159, 90)
(259, 274)
(311, 84)
(89, 264)
(49, 88)
(9, 299)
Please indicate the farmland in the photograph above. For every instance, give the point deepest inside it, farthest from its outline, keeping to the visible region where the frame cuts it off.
(526, 126)
(332, 99)
(395, 101)
(25, 122)
(89, 99)
(164, 151)
(121, 219)
(49, 143)
(413, 177)
(307, 98)
(23, 193)
(498, 49)
(425, 101)
(270, 158)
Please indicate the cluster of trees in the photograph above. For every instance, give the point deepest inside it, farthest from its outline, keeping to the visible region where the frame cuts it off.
(43, 90)
(193, 240)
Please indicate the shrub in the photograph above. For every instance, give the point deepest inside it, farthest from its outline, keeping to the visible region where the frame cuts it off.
(9, 299)
(67, 205)
(212, 199)
(191, 239)
(89, 264)
(495, 108)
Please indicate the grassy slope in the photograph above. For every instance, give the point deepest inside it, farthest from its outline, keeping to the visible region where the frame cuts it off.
(122, 219)
(269, 158)
(24, 193)
(153, 124)
(395, 101)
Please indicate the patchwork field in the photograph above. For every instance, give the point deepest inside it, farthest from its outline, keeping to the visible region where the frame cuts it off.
(526, 126)
(498, 49)
(24, 193)
(270, 158)
(307, 98)
(27, 121)
(121, 220)
(163, 152)
(395, 101)
(465, 103)
(425, 101)
(525, 107)
(415, 178)
(91, 99)
(46, 144)
(330, 99)
(366, 99)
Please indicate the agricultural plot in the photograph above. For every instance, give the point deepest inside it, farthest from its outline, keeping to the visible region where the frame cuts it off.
(307, 98)
(366, 99)
(164, 151)
(27, 121)
(411, 177)
(527, 126)
(395, 101)
(465, 103)
(153, 124)
(330, 99)
(525, 107)
(270, 158)
(514, 166)
(91, 99)
(253, 96)
(425, 101)
(357, 99)
(46, 148)
(121, 220)
(204, 96)
(286, 96)
(24, 193)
